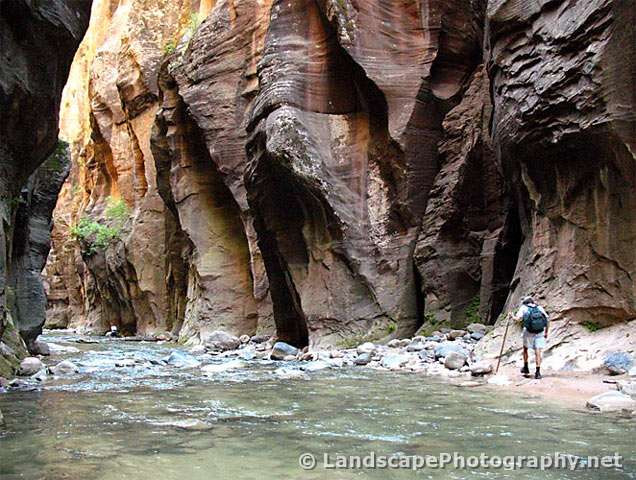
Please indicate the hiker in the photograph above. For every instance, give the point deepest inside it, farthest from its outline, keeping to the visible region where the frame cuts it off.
(114, 333)
(535, 332)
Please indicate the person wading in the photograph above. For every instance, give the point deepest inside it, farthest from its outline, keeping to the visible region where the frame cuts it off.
(535, 332)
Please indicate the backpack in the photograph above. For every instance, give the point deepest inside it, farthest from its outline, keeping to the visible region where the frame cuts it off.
(534, 320)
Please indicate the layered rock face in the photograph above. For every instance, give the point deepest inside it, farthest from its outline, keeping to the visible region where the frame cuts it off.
(335, 169)
(38, 42)
(562, 81)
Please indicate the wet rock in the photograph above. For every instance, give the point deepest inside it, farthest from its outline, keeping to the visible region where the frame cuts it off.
(477, 336)
(444, 349)
(315, 366)
(247, 354)
(41, 376)
(415, 346)
(611, 402)
(40, 348)
(394, 362)
(30, 366)
(193, 425)
(1, 418)
(287, 373)
(65, 367)
(455, 360)
(57, 348)
(222, 367)
(223, 341)
(427, 355)
(455, 334)
(244, 338)
(618, 363)
(483, 367)
(628, 387)
(259, 338)
(335, 362)
(164, 337)
(180, 359)
(198, 350)
(86, 340)
(283, 350)
(395, 343)
(363, 359)
(366, 347)
(336, 354)
(128, 363)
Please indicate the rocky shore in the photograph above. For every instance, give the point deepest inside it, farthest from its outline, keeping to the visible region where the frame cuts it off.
(445, 353)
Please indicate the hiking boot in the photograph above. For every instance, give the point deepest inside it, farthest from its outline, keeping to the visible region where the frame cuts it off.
(538, 375)
(525, 371)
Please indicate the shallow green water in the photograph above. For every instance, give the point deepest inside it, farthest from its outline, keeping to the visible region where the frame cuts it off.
(127, 423)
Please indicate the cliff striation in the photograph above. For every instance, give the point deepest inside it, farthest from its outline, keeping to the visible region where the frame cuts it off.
(337, 170)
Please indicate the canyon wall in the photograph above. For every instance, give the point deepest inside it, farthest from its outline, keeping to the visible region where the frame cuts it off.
(37, 43)
(339, 170)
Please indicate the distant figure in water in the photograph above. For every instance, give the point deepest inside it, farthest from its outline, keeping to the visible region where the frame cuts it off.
(535, 332)
(113, 332)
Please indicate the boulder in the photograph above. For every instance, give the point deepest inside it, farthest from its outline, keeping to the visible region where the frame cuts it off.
(611, 402)
(455, 334)
(39, 348)
(443, 349)
(618, 363)
(223, 341)
(415, 346)
(393, 361)
(198, 350)
(30, 366)
(180, 359)
(455, 360)
(314, 366)
(363, 359)
(476, 327)
(480, 368)
(65, 367)
(283, 350)
(366, 347)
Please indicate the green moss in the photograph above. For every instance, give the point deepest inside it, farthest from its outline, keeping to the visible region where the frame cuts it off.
(94, 236)
(591, 326)
(170, 47)
(431, 324)
(117, 210)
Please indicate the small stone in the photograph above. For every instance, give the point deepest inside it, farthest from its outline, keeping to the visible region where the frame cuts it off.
(248, 353)
(454, 360)
(244, 338)
(366, 347)
(197, 350)
(223, 341)
(363, 359)
(632, 372)
(65, 367)
(336, 362)
(336, 354)
(618, 363)
(455, 334)
(426, 355)
(478, 369)
(613, 401)
(395, 343)
(39, 348)
(259, 338)
(30, 366)
(164, 337)
(415, 346)
(289, 358)
(308, 357)
(282, 351)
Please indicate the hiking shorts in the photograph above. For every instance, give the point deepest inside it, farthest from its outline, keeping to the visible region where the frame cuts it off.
(535, 341)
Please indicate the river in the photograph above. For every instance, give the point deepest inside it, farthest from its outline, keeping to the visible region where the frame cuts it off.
(151, 421)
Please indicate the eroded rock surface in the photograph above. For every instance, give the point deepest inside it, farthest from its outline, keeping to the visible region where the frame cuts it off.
(334, 170)
(32, 76)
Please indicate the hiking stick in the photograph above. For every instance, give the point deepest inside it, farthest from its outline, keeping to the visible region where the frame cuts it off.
(503, 342)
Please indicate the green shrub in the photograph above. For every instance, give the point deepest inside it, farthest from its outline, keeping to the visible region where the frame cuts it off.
(116, 210)
(195, 22)
(169, 47)
(391, 327)
(472, 311)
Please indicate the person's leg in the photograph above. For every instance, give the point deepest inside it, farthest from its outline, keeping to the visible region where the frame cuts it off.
(525, 370)
(537, 356)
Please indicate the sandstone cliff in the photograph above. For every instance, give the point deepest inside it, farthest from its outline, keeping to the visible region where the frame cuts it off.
(37, 41)
(334, 170)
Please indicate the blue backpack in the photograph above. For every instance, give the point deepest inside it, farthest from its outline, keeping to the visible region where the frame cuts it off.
(534, 320)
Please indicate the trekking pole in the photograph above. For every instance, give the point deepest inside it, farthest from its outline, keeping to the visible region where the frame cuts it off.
(503, 343)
